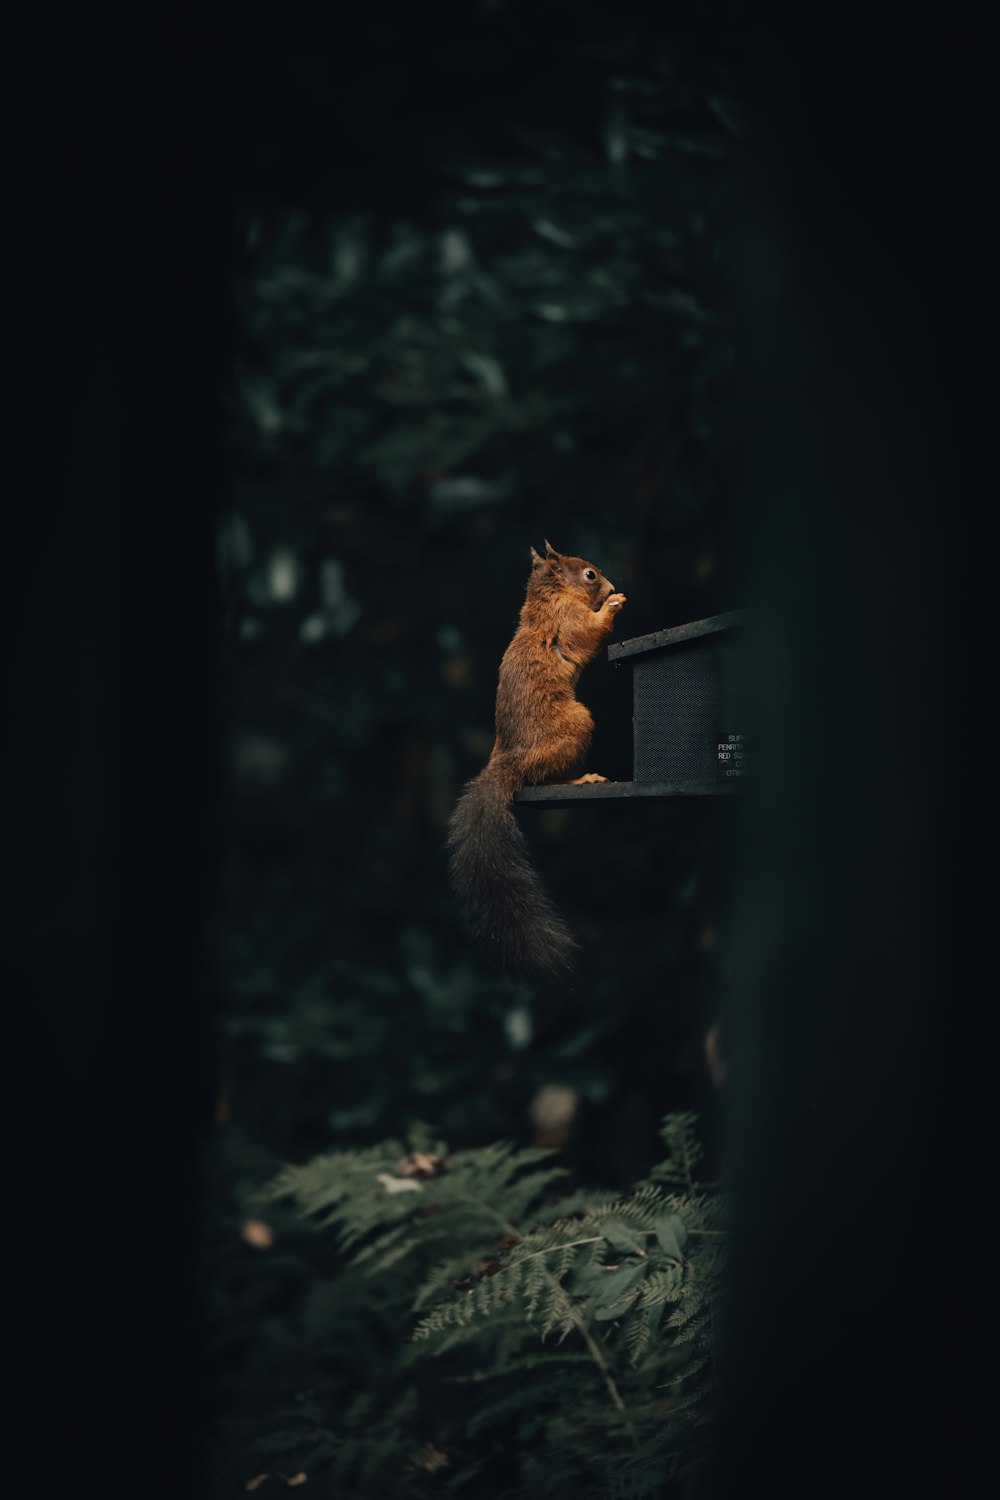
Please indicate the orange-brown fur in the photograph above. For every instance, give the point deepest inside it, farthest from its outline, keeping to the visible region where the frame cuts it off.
(542, 735)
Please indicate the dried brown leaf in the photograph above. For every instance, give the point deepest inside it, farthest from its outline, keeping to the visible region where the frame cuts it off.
(421, 1164)
(258, 1234)
(431, 1459)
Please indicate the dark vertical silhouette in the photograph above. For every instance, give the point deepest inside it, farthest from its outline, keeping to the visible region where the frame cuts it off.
(115, 327)
(859, 1087)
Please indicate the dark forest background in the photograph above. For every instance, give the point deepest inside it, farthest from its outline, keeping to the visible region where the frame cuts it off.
(312, 339)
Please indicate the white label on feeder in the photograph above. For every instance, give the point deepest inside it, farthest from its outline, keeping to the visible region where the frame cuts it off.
(730, 756)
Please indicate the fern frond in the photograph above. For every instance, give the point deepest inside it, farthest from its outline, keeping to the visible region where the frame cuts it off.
(511, 1285)
(679, 1133)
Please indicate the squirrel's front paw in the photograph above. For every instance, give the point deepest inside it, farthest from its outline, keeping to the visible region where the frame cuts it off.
(614, 601)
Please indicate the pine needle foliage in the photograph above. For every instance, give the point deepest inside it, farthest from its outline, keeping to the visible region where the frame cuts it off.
(544, 1342)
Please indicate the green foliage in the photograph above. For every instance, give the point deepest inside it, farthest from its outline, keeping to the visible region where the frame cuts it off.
(534, 340)
(545, 349)
(532, 1338)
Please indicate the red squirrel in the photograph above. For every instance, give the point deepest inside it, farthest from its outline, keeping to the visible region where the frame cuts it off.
(542, 735)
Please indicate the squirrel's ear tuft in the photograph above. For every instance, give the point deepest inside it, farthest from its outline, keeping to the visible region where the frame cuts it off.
(536, 561)
(550, 551)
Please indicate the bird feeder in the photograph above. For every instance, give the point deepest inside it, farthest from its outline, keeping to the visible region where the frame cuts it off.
(688, 721)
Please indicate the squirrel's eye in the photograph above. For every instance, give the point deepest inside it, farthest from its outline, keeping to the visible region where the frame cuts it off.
(590, 573)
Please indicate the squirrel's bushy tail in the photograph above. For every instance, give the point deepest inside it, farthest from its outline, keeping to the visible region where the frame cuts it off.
(500, 896)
